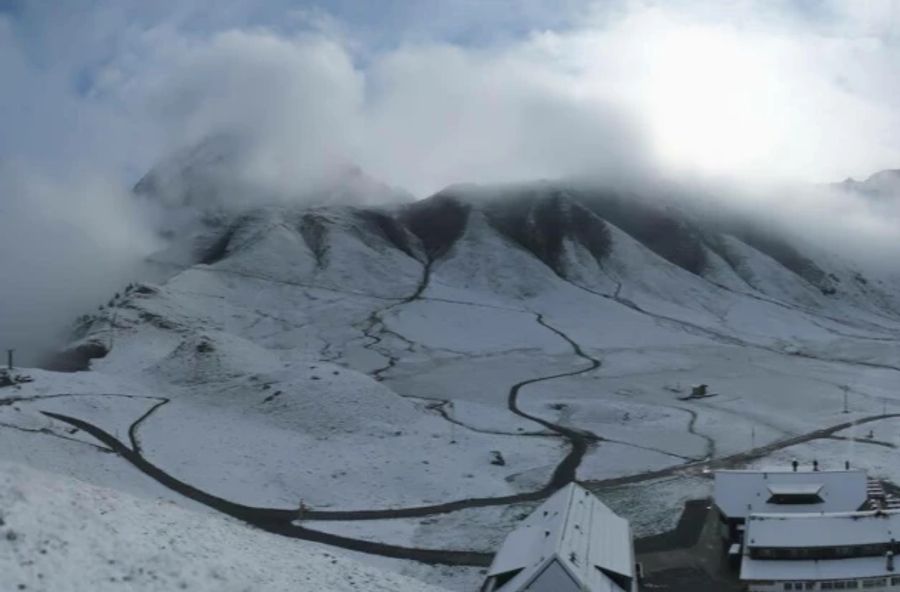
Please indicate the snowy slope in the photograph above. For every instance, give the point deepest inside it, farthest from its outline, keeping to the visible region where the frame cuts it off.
(60, 534)
(460, 356)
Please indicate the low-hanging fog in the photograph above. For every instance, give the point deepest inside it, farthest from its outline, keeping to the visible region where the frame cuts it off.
(753, 107)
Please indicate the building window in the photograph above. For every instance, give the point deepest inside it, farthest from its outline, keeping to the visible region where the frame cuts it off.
(795, 498)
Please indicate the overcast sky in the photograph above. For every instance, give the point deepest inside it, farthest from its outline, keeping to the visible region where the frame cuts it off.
(423, 93)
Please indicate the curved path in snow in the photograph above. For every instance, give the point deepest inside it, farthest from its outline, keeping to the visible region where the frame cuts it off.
(272, 520)
(578, 440)
(281, 521)
(739, 458)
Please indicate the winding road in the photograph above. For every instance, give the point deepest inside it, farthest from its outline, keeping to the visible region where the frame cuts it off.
(284, 521)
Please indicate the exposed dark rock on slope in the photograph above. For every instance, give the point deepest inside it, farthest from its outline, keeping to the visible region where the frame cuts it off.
(314, 230)
(658, 228)
(541, 222)
(541, 219)
(388, 228)
(538, 217)
(786, 254)
(561, 224)
(438, 221)
(76, 358)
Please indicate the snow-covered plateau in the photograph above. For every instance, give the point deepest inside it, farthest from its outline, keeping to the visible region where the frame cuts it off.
(348, 397)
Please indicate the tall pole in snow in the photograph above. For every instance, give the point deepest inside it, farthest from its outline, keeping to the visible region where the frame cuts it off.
(452, 424)
(846, 388)
(112, 324)
(9, 358)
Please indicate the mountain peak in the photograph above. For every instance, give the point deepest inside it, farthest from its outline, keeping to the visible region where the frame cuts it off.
(225, 172)
(883, 184)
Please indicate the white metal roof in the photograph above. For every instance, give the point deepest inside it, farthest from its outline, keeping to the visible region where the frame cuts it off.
(575, 528)
(741, 493)
(822, 530)
(811, 569)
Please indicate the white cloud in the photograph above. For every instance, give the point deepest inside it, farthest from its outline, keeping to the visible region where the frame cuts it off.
(420, 116)
(747, 92)
(749, 89)
(67, 242)
(298, 101)
(446, 115)
(743, 91)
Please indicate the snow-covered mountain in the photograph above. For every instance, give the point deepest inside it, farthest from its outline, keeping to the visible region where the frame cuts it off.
(405, 381)
(205, 181)
(883, 185)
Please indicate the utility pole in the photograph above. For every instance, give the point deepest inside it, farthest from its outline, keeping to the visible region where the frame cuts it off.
(452, 423)
(112, 325)
(9, 358)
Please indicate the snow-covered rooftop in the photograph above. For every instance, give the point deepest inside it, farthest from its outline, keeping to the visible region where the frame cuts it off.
(574, 531)
(739, 494)
(812, 569)
(822, 530)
